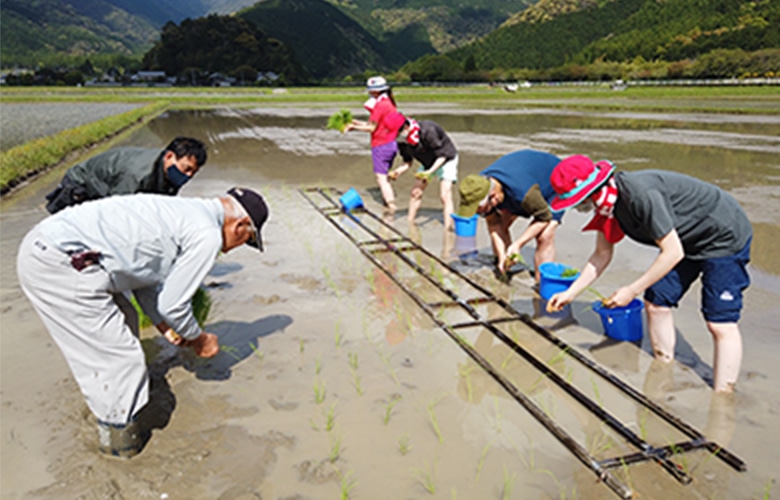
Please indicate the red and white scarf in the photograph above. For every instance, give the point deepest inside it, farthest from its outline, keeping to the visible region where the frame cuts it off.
(413, 135)
(604, 220)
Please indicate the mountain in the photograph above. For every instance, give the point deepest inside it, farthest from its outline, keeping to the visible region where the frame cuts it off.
(330, 44)
(448, 24)
(32, 28)
(557, 32)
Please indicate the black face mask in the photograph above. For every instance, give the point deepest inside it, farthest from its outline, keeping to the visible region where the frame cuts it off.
(176, 177)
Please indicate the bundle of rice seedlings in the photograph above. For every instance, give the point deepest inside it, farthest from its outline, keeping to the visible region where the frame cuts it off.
(201, 306)
(339, 120)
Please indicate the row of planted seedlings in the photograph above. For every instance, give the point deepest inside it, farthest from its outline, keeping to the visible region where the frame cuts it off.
(390, 389)
(600, 440)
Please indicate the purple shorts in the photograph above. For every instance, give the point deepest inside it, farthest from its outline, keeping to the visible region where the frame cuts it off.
(383, 157)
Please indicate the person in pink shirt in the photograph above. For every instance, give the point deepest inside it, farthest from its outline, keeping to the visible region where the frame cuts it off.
(383, 124)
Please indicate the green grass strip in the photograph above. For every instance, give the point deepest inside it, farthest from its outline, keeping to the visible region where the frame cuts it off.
(20, 162)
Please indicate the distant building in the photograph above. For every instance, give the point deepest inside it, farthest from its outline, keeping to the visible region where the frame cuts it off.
(266, 77)
(149, 76)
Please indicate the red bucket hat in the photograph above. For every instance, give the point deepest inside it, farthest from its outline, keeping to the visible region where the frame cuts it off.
(576, 178)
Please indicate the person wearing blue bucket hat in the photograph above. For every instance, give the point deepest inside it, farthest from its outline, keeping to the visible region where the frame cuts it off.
(700, 231)
(515, 185)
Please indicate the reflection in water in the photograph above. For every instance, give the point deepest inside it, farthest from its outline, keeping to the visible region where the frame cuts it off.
(738, 155)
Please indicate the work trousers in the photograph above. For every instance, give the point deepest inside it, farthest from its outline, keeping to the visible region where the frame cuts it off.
(96, 328)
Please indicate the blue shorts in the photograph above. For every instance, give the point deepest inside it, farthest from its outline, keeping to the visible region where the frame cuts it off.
(723, 280)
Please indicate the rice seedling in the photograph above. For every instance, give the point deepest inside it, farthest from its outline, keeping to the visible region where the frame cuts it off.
(768, 488)
(386, 360)
(389, 408)
(260, 354)
(497, 416)
(426, 476)
(432, 417)
(301, 345)
(231, 350)
(596, 392)
(515, 258)
(329, 281)
(683, 457)
(599, 443)
(465, 372)
(339, 120)
(335, 448)
(330, 418)
(506, 360)
(624, 467)
(319, 391)
(509, 484)
(559, 356)
(403, 444)
(353, 360)
(481, 462)
(569, 272)
(706, 459)
(357, 384)
(347, 485)
(643, 423)
(338, 337)
(314, 425)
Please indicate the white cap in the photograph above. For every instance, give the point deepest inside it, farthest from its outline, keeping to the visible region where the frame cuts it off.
(377, 83)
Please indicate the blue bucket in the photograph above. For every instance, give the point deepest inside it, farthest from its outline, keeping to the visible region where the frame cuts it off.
(551, 281)
(466, 247)
(465, 226)
(350, 200)
(621, 323)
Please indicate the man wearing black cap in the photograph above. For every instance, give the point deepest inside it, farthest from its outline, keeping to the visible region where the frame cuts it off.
(77, 265)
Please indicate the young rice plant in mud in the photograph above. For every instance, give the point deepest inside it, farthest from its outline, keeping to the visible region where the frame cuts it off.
(482, 458)
(425, 477)
(403, 444)
(432, 417)
(319, 391)
(353, 360)
(389, 408)
(347, 485)
(509, 484)
(356, 382)
(260, 354)
(335, 447)
(330, 418)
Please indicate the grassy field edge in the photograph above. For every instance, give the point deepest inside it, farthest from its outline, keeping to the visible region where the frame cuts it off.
(26, 160)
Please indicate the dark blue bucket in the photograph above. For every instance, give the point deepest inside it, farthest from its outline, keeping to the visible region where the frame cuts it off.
(551, 281)
(621, 323)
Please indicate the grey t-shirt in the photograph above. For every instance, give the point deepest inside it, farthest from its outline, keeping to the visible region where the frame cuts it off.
(709, 221)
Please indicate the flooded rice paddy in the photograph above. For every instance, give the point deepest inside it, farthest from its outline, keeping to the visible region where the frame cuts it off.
(332, 381)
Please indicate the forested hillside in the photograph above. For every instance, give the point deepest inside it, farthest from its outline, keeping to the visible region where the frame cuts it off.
(31, 30)
(621, 30)
(328, 43)
(231, 45)
(448, 24)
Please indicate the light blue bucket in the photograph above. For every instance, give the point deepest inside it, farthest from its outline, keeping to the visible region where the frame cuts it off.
(350, 200)
(465, 226)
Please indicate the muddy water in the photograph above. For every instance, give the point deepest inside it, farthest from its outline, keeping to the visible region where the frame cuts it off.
(331, 379)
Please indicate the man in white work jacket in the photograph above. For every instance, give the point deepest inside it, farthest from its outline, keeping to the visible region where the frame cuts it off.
(77, 265)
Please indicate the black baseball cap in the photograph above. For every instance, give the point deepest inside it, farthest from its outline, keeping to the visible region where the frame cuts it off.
(255, 206)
